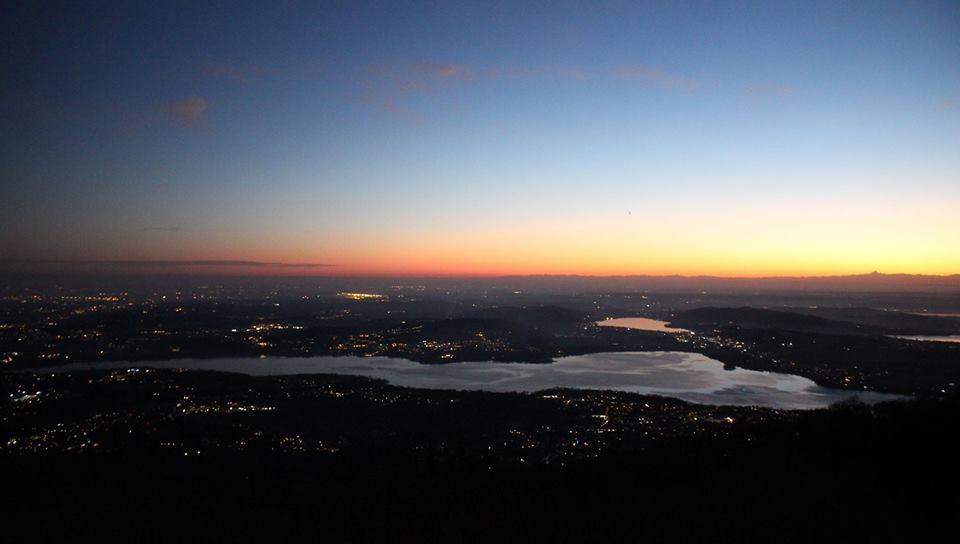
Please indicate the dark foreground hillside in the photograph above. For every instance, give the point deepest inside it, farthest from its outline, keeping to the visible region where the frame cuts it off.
(847, 474)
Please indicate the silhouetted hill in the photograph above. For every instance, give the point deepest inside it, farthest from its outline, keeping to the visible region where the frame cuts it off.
(708, 319)
(893, 321)
(546, 318)
(816, 320)
(452, 330)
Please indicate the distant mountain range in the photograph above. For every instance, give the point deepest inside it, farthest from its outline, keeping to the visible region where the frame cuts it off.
(862, 283)
(872, 282)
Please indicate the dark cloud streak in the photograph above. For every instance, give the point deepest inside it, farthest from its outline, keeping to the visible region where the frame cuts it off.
(174, 263)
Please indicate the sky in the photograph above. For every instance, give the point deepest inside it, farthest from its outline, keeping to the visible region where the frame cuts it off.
(448, 138)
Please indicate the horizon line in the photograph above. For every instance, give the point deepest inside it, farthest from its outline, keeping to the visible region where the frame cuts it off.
(283, 265)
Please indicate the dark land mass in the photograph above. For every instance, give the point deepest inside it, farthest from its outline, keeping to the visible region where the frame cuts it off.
(151, 455)
(202, 456)
(843, 346)
(888, 320)
(712, 319)
(865, 321)
(845, 361)
(855, 354)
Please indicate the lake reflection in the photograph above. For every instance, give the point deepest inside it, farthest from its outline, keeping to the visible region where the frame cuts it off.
(955, 338)
(639, 323)
(688, 376)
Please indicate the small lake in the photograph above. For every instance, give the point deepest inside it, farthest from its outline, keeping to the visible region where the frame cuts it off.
(954, 338)
(688, 376)
(639, 323)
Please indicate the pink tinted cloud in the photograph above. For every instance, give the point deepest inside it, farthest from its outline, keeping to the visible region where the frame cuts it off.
(442, 69)
(389, 105)
(189, 112)
(387, 87)
(949, 103)
(522, 72)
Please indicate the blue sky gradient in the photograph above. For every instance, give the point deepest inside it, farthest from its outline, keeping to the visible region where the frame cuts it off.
(336, 131)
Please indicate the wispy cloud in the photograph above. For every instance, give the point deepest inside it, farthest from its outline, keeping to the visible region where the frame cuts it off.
(387, 87)
(656, 76)
(189, 112)
(442, 69)
(177, 263)
(389, 105)
(523, 72)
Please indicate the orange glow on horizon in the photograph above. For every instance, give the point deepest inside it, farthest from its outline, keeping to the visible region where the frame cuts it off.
(806, 240)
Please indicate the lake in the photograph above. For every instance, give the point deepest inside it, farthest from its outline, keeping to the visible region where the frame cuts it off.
(688, 376)
(948, 338)
(639, 323)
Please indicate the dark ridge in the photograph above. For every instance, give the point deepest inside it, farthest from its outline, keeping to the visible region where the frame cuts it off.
(816, 320)
(709, 319)
(893, 321)
(551, 318)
